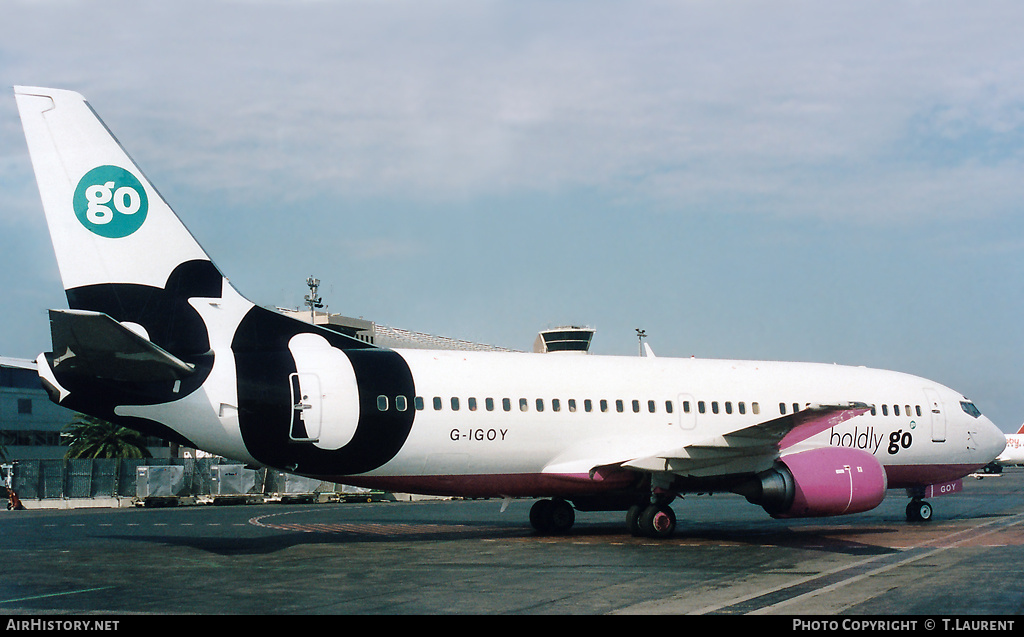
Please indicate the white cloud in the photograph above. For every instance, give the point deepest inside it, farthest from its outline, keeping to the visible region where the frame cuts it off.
(771, 107)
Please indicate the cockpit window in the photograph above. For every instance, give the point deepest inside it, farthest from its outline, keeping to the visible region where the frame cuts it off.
(970, 409)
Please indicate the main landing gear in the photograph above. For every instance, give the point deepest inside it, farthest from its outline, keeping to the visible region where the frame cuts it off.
(556, 517)
(552, 516)
(652, 520)
(919, 511)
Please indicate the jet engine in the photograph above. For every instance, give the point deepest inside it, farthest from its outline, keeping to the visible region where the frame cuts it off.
(818, 483)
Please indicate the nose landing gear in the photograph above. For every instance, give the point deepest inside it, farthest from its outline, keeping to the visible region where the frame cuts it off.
(919, 511)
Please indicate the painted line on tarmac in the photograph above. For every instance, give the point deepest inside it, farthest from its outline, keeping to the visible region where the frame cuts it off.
(786, 594)
(31, 597)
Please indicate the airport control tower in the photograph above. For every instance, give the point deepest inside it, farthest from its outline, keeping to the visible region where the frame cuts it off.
(570, 339)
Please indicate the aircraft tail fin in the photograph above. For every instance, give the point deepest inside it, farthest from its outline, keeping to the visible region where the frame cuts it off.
(107, 222)
(1021, 430)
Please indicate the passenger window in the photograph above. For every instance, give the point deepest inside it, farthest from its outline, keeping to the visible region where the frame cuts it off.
(668, 406)
(874, 412)
(556, 404)
(636, 406)
(714, 406)
(620, 406)
(489, 404)
(885, 410)
(895, 410)
(472, 404)
(455, 403)
(540, 404)
(506, 404)
(382, 403)
(650, 406)
(754, 407)
(437, 403)
(796, 407)
(401, 403)
(700, 406)
(604, 405)
(588, 405)
(524, 405)
(742, 407)
(782, 408)
(728, 407)
(572, 404)
(419, 403)
(918, 408)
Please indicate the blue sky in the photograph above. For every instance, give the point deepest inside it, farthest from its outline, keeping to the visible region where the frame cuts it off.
(836, 182)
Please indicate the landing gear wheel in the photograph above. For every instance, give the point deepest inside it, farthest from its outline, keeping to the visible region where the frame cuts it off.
(657, 521)
(552, 516)
(633, 520)
(540, 517)
(919, 511)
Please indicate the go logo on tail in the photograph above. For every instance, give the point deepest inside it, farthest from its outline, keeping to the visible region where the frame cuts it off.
(110, 202)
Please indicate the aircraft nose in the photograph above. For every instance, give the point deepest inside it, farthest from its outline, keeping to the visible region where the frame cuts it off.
(991, 440)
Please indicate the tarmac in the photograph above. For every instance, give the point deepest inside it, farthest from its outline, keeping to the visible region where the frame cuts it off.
(452, 557)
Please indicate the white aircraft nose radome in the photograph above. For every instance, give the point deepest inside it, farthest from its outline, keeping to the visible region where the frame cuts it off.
(991, 439)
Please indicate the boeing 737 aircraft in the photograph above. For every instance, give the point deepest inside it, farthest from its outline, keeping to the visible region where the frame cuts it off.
(157, 339)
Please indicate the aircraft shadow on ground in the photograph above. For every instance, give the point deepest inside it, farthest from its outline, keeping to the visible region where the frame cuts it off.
(847, 540)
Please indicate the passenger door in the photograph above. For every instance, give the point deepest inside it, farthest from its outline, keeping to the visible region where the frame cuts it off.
(938, 414)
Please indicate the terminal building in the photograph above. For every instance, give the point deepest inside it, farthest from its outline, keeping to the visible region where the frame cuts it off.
(30, 423)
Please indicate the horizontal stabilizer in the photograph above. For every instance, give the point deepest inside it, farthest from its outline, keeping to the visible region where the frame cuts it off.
(94, 344)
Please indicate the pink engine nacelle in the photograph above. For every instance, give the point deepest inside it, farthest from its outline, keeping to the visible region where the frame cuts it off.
(818, 483)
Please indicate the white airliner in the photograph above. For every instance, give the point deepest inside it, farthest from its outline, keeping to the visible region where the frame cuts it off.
(1013, 454)
(157, 339)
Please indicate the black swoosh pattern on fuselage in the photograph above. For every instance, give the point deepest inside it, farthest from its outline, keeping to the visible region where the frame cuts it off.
(171, 322)
(263, 365)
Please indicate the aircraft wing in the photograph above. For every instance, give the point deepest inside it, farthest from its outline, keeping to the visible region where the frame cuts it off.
(749, 449)
(94, 344)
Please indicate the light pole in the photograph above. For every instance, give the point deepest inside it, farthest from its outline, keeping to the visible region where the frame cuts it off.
(640, 336)
(312, 300)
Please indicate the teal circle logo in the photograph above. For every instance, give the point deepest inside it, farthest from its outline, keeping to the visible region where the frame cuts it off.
(111, 202)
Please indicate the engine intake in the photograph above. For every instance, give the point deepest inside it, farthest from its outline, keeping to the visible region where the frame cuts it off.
(818, 483)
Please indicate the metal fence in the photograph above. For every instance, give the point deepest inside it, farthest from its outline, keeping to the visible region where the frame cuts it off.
(153, 477)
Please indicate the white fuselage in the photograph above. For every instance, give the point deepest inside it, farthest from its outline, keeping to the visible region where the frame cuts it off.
(525, 416)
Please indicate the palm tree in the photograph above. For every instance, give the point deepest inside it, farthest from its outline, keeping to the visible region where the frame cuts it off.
(91, 437)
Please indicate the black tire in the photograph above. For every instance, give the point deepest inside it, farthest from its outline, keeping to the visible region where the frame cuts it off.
(658, 521)
(561, 516)
(633, 520)
(540, 516)
(919, 511)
